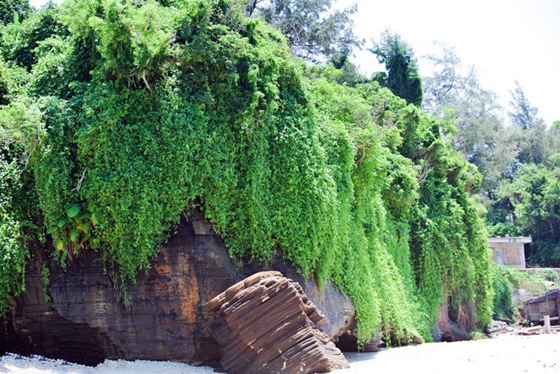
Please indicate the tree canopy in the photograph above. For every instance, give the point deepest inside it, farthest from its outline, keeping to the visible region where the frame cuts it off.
(315, 31)
(518, 161)
(454, 93)
(402, 76)
(11, 10)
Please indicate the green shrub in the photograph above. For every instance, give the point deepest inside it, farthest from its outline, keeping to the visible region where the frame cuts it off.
(503, 294)
(549, 275)
(523, 280)
(13, 253)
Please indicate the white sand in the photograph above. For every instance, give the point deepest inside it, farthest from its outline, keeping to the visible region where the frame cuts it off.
(508, 354)
(36, 365)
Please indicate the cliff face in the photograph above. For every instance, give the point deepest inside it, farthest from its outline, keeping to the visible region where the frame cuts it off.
(87, 319)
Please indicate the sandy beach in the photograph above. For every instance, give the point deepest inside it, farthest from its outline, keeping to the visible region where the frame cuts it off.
(508, 353)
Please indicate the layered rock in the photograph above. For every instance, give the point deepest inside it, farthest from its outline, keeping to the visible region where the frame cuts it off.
(88, 319)
(266, 324)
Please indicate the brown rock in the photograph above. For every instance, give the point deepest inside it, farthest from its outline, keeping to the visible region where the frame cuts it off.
(266, 324)
(87, 320)
(447, 329)
(338, 309)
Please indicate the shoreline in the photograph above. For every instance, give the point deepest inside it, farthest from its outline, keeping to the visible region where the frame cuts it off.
(507, 353)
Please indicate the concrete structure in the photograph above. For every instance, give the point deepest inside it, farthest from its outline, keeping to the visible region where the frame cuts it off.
(509, 251)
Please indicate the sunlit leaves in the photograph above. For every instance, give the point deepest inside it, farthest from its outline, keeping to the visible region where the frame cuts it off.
(154, 109)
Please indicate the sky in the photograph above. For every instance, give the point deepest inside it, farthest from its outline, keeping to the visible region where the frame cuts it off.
(506, 40)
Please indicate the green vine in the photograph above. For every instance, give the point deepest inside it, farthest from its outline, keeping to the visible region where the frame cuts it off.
(197, 104)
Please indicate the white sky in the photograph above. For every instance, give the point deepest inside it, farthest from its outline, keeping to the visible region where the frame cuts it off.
(507, 40)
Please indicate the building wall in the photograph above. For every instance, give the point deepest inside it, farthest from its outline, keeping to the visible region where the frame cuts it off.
(509, 254)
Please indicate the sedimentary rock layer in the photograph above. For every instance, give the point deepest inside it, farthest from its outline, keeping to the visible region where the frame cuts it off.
(266, 324)
(80, 316)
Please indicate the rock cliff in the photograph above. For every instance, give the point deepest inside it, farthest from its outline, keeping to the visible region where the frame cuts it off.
(87, 319)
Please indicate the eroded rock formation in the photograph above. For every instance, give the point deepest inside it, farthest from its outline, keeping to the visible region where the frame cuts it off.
(87, 319)
(266, 324)
(160, 318)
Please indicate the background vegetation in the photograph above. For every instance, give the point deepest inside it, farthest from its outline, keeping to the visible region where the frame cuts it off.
(508, 281)
(518, 159)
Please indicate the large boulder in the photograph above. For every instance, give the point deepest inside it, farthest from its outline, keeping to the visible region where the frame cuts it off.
(266, 324)
(88, 318)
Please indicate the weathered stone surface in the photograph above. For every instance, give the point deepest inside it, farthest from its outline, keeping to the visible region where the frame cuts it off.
(266, 324)
(448, 330)
(495, 328)
(338, 309)
(200, 225)
(87, 320)
(348, 342)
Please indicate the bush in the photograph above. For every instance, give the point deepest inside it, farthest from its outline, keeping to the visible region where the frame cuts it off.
(503, 294)
(548, 275)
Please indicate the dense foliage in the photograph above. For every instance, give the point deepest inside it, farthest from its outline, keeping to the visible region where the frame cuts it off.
(13, 9)
(530, 203)
(507, 280)
(135, 112)
(503, 293)
(519, 162)
(402, 76)
(315, 31)
(12, 251)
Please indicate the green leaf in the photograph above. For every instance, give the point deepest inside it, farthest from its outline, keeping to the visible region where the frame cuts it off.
(73, 210)
(75, 234)
(83, 216)
(59, 245)
(61, 222)
(52, 229)
(85, 226)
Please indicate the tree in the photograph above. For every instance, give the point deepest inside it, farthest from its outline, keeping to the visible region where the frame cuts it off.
(553, 145)
(522, 114)
(440, 88)
(454, 93)
(20, 39)
(349, 73)
(531, 142)
(13, 8)
(534, 195)
(315, 32)
(402, 76)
